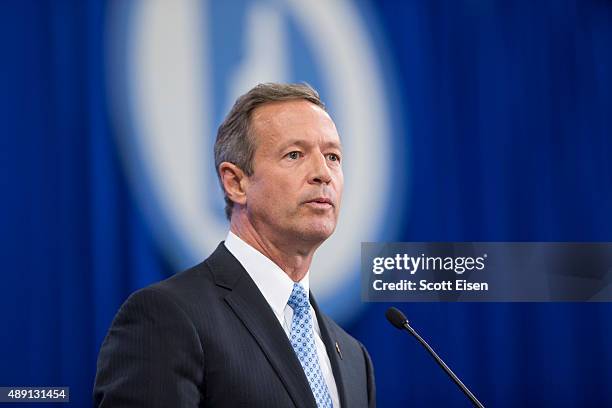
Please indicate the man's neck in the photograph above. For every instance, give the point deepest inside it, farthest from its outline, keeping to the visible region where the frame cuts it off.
(292, 259)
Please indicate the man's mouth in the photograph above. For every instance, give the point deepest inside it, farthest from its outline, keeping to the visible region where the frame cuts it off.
(320, 202)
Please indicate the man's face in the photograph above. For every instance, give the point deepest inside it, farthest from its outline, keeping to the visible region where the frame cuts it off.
(295, 190)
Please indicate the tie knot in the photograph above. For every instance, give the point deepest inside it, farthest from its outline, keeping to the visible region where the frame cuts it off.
(298, 298)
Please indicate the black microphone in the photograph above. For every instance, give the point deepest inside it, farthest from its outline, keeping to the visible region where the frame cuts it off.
(397, 319)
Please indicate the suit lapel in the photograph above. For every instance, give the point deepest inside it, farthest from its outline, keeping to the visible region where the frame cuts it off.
(330, 340)
(249, 305)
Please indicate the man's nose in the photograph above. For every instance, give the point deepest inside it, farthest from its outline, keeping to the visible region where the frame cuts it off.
(320, 172)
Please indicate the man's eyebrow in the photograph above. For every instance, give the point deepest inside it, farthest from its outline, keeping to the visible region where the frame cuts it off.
(304, 143)
(333, 144)
(293, 142)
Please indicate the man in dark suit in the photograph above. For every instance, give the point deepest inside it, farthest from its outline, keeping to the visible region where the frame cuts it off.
(242, 329)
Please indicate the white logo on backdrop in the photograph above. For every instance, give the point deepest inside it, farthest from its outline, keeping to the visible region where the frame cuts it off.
(161, 83)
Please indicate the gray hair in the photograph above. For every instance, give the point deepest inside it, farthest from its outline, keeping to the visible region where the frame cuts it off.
(235, 142)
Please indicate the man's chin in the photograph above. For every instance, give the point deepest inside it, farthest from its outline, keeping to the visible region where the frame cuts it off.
(317, 232)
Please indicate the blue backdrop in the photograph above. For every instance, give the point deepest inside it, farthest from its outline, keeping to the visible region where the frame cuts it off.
(509, 107)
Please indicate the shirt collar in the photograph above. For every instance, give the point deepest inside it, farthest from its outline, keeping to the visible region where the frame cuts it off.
(273, 283)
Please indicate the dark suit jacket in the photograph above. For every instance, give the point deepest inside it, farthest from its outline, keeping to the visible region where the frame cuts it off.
(207, 337)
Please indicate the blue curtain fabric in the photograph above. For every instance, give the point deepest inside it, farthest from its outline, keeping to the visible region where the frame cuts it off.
(508, 106)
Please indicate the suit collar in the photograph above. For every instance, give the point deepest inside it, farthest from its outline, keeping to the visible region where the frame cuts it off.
(226, 270)
(247, 302)
(252, 309)
(273, 283)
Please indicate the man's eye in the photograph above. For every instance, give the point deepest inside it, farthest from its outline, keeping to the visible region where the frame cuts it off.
(333, 157)
(294, 155)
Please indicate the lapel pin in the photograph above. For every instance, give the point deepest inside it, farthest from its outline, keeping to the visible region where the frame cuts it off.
(338, 350)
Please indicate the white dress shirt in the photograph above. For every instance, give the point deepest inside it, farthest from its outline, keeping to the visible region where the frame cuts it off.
(276, 287)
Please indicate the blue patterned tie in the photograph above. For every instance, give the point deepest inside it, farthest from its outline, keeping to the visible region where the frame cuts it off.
(302, 340)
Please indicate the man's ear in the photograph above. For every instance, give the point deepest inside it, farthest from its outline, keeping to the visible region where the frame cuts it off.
(234, 182)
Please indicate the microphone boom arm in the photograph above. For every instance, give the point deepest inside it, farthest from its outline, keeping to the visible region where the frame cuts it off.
(446, 368)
